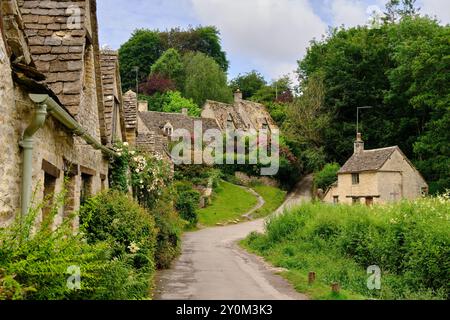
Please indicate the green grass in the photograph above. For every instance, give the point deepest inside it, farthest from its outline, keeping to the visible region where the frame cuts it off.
(273, 197)
(409, 241)
(229, 203)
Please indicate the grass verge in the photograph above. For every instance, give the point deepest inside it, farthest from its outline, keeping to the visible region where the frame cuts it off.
(273, 197)
(408, 241)
(229, 203)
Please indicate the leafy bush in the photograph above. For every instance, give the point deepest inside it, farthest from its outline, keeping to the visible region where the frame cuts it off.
(34, 264)
(327, 176)
(115, 217)
(170, 227)
(409, 241)
(187, 202)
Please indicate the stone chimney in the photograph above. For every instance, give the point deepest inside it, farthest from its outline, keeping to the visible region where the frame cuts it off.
(359, 144)
(185, 111)
(238, 96)
(143, 106)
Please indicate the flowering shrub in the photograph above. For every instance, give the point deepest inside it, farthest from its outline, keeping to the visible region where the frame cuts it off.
(145, 174)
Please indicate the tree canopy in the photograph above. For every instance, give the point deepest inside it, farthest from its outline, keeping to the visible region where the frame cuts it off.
(145, 47)
(204, 79)
(248, 83)
(402, 70)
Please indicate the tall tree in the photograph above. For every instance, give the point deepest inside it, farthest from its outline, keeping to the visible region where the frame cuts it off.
(248, 83)
(402, 70)
(204, 79)
(141, 51)
(201, 39)
(170, 65)
(398, 9)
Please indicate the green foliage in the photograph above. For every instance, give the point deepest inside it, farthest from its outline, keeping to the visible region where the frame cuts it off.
(204, 79)
(248, 83)
(35, 262)
(114, 217)
(187, 202)
(174, 102)
(273, 198)
(402, 70)
(327, 176)
(409, 241)
(145, 47)
(200, 39)
(229, 203)
(142, 50)
(143, 173)
(170, 66)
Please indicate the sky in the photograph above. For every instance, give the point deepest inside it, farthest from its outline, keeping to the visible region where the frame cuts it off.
(269, 36)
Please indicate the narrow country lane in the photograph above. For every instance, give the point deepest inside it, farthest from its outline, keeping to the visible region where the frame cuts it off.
(213, 267)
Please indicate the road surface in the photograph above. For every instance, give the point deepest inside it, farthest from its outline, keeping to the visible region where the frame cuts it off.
(213, 267)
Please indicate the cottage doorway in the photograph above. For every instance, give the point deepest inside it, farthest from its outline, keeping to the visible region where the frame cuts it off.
(369, 201)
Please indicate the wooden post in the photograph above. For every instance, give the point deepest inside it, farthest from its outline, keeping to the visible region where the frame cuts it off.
(336, 288)
(311, 278)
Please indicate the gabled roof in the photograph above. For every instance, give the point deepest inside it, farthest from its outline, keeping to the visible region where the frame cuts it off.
(57, 46)
(368, 160)
(112, 93)
(156, 121)
(130, 108)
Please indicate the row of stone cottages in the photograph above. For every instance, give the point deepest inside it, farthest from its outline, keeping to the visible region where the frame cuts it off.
(61, 107)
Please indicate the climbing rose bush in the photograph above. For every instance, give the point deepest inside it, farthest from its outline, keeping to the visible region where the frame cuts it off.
(147, 175)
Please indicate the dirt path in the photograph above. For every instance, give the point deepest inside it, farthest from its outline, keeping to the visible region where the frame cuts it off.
(213, 267)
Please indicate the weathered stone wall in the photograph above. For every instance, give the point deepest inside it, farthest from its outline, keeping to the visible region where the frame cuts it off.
(412, 182)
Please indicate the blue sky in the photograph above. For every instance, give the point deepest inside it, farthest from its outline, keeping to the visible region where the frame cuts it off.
(265, 35)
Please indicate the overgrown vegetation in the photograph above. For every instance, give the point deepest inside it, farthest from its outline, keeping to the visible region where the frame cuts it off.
(409, 241)
(327, 176)
(273, 197)
(37, 262)
(230, 202)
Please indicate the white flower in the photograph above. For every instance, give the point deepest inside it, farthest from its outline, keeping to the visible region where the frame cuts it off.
(133, 248)
(126, 144)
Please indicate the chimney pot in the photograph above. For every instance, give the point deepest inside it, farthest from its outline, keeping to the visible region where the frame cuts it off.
(238, 97)
(143, 106)
(185, 111)
(359, 144)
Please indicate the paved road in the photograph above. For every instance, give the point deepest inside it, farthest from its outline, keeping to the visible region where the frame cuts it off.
(213, 267)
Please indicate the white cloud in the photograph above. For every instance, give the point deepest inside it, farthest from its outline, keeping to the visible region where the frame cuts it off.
(348, 12)
(439, 8)
(271, 34)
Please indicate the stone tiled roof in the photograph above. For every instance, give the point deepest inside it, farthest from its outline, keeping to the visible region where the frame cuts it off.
(223, 112)
(111, 88)
(130, 108)
(245, 114)
(57, 46)
(368, 160)
(156, 121)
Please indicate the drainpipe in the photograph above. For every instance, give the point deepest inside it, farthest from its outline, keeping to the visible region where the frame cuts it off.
(27, 144)
(46, 105)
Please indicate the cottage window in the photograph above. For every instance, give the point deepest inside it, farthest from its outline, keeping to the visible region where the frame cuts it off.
(336, 199)
(230, 123)
(86, 188)
(168, 131)
(355, 178)
(49, 194)
(355, 200)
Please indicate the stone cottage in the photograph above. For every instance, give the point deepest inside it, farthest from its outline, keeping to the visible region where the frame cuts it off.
(55, 119)
(376, 176)
(153, 130)
(241, 115)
